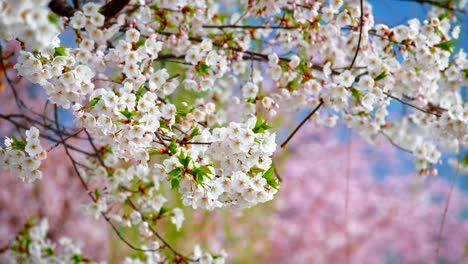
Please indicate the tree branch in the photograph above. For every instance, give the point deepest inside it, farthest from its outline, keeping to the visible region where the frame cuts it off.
(113, 8)
(302, 123)
(62, 8)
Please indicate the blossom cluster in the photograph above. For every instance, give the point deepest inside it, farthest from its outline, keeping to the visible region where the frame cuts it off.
(29, 21)
(179, 95)
(32, 246)
(23, 158)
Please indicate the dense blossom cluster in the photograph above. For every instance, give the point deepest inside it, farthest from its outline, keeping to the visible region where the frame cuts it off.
(179, 95)
(31, 22)
(32, 246)
(23, 158)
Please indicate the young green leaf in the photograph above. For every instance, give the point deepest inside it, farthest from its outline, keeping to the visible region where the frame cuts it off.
(175, 183)
(60, 51)
(94, 102)
(184, 160)
(381, 76)
(175, 172)
(355, 93)
(18, 144)
(261, 125)
(141, 91)
(128, 114)
(446, 45)
(172, 147)
(269, 173)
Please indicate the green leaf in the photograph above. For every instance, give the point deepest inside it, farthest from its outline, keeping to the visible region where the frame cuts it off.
(201, 172)
(465, 73)
(465, 160)
(261, 125)
(154, 152)
(446, 45)
(199, 178)
(381, 76)
(175, 172)
(53, 18)
(49, 251)
(293, 85)
(108, 149)
(269, 172)
(18, 144)
(141, 91)
(140, 43)
(195, 132)
(255, 170)
(184, 160)
(273, 182)
(60, 51)
(182, 111)
(355, 93)
(76, 258)
(175, 183)
(97, 194)
(94, 102)
(163, 210)
(172, 147)
(202, 69)
(128, 114)
(205, 169)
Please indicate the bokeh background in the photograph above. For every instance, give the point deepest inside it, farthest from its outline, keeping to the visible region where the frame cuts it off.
(341, 200)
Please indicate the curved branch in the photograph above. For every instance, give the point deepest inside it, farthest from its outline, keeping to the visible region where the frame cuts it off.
(62, 8)
(302, 123)
(360, 35)
(113, 8)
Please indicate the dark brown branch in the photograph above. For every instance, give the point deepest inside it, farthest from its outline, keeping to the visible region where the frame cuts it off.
(302, 123)
(62, 8)
(165, 243)
(360, 35)
(113, 8)
(77, 4)
(17, 124)
(411, 105)
(91, 142)
(85, 186)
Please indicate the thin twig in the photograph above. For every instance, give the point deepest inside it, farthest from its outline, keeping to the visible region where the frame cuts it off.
(85, 186)
(360, 35)
(165, 243)
(444, 215)
(302, 123)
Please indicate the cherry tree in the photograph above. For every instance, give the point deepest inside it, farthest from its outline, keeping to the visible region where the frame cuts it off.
(182, 97)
